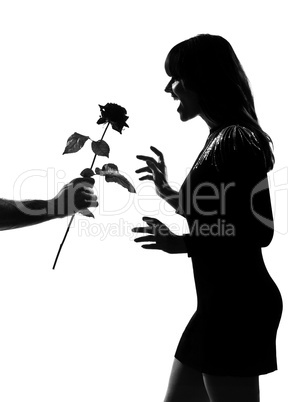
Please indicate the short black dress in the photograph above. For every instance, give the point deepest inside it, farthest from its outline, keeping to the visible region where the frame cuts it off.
(225, 199)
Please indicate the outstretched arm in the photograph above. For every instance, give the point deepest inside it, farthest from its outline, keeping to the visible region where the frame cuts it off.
(74, 196)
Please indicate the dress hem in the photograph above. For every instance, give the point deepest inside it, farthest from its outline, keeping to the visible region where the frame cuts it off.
(230, 373)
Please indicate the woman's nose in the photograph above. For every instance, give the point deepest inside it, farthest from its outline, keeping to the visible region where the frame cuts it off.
(168, 88)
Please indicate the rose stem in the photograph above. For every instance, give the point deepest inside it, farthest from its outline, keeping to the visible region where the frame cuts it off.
(59, 251)
(100, 140)
(71, 220)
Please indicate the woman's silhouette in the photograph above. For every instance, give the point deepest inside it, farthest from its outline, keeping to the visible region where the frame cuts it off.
(230, 340)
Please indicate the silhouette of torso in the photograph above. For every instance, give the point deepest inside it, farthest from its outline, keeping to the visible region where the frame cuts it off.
(226, 201)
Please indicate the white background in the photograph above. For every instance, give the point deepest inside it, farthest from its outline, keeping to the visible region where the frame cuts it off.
(105, 324)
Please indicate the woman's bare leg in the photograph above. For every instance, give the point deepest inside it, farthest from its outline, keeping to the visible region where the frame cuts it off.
(232, 389)
(185, 385)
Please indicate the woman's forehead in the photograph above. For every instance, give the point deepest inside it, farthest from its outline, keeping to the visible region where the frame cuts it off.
(172, 64)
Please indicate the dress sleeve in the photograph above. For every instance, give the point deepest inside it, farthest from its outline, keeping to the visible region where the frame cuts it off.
(237, 150)
(244, 215)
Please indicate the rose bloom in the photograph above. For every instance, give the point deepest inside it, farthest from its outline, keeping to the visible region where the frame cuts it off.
(113, 114)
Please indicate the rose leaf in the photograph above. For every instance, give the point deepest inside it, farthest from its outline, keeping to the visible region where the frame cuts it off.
(112, 175)
(108, 168)
(75, 142)
(118, 178)
(100, 148)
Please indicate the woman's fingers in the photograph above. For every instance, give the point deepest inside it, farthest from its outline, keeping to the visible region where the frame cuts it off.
(155, 168)
(154, 228)
(151, 162)
(145, 238)
(158, 228)
(158, 153)
(156, 233)
(146, 158)
(144, 169)
(150, 238)
(151, 221)
(153, 246)
(148, 177)
(145, 229)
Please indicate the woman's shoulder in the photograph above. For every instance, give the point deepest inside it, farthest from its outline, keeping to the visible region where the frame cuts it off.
(236, 138)
(236, 145)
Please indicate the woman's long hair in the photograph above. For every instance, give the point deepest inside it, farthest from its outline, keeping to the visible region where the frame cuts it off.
(208, 65)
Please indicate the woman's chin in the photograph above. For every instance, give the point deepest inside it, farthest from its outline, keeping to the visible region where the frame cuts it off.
(183, 116)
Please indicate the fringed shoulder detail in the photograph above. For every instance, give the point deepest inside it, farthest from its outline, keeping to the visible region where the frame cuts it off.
(235, 147)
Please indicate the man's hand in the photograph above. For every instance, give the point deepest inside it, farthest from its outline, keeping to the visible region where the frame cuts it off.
(75, 196)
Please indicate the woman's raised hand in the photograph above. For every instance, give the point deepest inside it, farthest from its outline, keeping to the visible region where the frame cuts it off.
(160, 237)
(156, 170)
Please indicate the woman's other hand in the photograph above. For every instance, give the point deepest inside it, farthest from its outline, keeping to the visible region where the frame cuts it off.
(160, 237)
(156, 170)
(158, 174)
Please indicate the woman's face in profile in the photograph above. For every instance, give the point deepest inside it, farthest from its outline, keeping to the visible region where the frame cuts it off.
(189, 106)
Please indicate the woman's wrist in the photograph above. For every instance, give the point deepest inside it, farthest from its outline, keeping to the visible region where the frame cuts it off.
(181, 246)
(169, 195)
